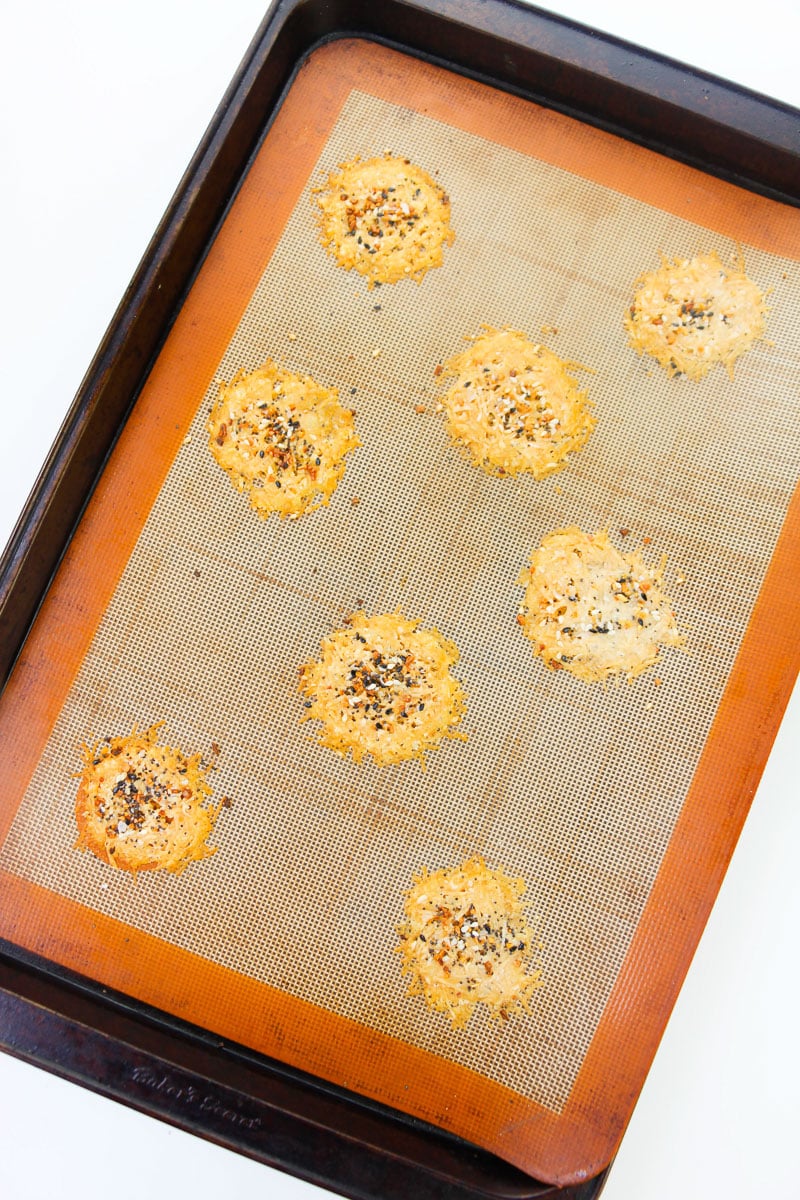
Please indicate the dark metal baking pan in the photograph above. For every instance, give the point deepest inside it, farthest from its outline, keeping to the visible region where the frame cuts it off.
(119, 1047)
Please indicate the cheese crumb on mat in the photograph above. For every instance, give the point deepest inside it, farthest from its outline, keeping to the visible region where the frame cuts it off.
(143, 807)
(281, 438)
(382, 687)
(465, 941)
(513, 406)
(385, 218)
(695, 312)
(594, 611)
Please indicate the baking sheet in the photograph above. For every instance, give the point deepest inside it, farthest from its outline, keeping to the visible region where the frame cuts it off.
(575, 788)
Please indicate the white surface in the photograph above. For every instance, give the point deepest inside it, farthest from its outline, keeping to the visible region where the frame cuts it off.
(102, 107)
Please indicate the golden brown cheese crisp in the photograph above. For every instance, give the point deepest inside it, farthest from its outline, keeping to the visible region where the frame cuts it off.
(514, 407)
(281, 438)
(382, 687)
(143, 807)
(465, 941)
(593, 611)
(385, 218)
(695, 312)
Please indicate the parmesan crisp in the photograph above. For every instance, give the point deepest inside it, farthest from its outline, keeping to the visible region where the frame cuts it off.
(514, 407)
(594, 611)
(385, 218)
(143, 807)
(382, 687)
(465, 942)
(695, 312)
(281, 438)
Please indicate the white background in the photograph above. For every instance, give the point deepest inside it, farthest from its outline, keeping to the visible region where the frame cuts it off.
(102, 105)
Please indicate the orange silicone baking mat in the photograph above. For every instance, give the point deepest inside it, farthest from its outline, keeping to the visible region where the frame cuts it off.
(619, 806)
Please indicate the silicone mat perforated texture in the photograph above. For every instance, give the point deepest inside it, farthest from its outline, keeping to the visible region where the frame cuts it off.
(574, 787)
